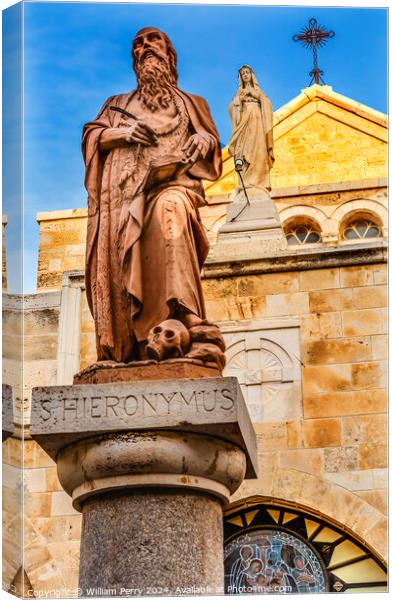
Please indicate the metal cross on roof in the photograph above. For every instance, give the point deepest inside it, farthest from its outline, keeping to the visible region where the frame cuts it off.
(314, 36)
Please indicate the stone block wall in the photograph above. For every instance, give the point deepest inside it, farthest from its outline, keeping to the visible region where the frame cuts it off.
(334, 457)
(12, 520)
(61, 246)
(40, 326)
(52, 528)
(51, 546)
(322, 148)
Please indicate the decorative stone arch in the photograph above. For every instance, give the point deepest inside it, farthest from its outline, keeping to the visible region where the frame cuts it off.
(302, 210)
(324, 496)
(236, 346)
(362, 206)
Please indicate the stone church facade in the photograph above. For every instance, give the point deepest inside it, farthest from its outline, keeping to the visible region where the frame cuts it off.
(306, 334)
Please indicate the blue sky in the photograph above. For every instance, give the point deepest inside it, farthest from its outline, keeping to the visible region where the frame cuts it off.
(78, 54)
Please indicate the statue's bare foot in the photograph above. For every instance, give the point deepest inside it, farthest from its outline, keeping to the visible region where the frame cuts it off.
(100, 364)
(209, 333)
(108, 363)
(190, 320)
(207, 344)
(208, 353)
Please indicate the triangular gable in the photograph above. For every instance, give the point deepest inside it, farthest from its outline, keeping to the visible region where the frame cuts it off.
(324, 100)
(326, 93)
(319, 137)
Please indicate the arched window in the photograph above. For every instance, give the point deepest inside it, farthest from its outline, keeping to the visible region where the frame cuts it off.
(272, 546)
(359, 229)
(360, 226)
(302, 231)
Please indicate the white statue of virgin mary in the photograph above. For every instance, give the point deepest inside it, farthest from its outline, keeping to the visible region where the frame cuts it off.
(251, 138)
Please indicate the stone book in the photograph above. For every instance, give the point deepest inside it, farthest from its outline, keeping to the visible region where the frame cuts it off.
(165, 169)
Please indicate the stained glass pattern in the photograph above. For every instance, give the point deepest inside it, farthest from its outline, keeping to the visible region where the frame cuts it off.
(272, 562)
(275, 547)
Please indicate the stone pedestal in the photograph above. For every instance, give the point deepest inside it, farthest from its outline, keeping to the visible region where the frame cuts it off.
(148, 464)
(253, 225)
(177, 368)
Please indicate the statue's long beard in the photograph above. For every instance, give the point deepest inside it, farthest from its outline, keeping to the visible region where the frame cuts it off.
(153, 75)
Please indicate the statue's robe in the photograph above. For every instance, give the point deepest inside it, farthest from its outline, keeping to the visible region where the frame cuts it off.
(145, 249)
(252, 138)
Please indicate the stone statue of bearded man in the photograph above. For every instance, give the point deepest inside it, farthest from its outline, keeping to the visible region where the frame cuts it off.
(146, 154)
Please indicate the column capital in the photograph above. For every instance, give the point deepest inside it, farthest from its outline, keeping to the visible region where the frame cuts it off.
(159, 459)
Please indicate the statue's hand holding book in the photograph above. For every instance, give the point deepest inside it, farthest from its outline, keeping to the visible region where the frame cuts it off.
(168, 168)
(196, 148)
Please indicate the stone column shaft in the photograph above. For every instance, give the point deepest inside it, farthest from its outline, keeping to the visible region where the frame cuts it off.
(152, 543)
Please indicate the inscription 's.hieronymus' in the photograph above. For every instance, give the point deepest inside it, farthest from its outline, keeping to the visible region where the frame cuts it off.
(148, 404)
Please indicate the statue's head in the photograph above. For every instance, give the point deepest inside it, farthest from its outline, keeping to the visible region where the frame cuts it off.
(154, 63)
(246, 76)
(152, 45)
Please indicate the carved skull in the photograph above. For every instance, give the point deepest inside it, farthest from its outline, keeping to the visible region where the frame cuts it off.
(170, 339)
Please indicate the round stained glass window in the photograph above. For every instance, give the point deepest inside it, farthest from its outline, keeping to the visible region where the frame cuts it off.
(270, 561)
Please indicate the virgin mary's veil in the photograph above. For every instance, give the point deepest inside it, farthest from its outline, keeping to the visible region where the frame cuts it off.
(255, 83)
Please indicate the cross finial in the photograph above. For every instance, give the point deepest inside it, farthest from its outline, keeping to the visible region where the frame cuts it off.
(314, 36)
